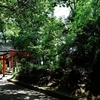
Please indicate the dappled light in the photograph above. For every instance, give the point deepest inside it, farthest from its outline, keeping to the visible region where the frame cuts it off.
(56, 47)
(9, 91)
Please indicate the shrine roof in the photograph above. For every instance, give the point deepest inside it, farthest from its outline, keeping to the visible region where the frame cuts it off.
(5, 47)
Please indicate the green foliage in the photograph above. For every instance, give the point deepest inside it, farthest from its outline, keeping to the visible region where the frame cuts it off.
(31, 26)
(85, 29)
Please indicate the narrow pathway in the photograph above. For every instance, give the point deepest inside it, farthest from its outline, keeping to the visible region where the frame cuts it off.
(10, 91)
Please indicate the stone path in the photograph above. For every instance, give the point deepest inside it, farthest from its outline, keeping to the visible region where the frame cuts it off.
(10, 91)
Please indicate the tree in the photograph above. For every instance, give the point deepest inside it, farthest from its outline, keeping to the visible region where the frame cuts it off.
(39, 31)
(52, 40)
(9, 26)
(31, 26)
(88, 29)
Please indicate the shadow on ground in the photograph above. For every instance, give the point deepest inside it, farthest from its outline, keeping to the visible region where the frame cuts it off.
(10, 91)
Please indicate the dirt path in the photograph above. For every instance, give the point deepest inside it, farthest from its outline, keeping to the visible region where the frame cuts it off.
(10, 91)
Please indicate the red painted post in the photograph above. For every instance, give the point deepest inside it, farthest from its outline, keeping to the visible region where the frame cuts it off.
(11, 61)
(4, 65)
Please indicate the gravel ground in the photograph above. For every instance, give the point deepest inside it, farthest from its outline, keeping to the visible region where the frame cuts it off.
(10, 91)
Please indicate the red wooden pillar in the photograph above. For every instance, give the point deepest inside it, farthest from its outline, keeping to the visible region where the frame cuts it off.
(11, 59)
(4, 65)
(11, 62)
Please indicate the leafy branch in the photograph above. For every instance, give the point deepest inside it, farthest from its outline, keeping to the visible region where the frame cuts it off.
(7, 7)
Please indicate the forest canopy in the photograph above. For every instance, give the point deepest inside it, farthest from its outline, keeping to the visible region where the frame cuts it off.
(30, 25)
(68, 52)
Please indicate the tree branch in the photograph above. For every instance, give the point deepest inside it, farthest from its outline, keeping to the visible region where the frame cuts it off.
(7, 7)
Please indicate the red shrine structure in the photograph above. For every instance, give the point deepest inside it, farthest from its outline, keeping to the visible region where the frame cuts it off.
(8, 58)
